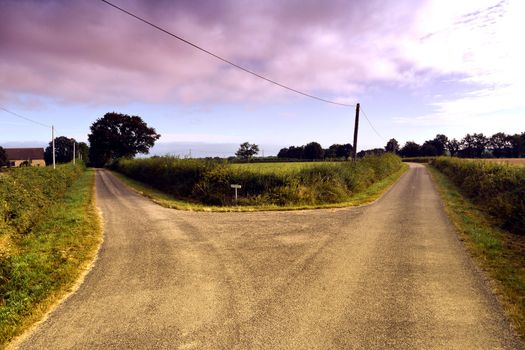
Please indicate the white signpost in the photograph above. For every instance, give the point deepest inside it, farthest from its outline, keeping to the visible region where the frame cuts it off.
(236, 187)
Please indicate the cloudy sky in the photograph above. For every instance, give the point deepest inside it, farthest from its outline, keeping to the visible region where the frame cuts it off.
(417, 68)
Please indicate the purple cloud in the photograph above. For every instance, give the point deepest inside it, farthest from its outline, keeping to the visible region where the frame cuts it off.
(86, 51)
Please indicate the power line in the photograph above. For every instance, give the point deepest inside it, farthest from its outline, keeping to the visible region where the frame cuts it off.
(25, 118)
(223, 59)
(368, 120)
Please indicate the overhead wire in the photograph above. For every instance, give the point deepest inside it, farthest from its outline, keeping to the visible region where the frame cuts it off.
(370, 123)
(25, 118)
(246, 70)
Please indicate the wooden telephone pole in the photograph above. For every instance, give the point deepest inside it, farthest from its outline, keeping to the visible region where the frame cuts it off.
(356, 127)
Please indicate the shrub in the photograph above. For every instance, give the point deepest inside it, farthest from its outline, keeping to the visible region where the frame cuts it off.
(27, 192)
(499, 189)
(208, 182)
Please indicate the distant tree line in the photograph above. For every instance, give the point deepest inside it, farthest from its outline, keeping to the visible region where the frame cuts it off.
(64, 150)
(499, 145)
(314, 151)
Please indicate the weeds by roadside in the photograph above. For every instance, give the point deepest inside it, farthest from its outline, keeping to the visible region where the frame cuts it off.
(43, 263)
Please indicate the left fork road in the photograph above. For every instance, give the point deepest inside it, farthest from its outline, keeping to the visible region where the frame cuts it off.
(127, 300)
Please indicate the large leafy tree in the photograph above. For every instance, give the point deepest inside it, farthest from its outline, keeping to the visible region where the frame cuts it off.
(3, 157)
(119, 135)
(247, 150)
(63, 150)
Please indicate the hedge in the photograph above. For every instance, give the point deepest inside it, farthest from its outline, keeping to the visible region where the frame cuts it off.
(26, 193)
(208, 182)
(499, 189)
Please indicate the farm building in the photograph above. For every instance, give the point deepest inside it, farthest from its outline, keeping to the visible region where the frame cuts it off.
(25, 156)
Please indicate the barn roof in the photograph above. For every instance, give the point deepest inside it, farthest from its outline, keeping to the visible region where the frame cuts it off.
(24, 153)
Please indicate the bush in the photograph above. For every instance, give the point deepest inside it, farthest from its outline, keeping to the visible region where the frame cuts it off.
(27, 192)
(418, 159)
(208, 182)
(499, 189)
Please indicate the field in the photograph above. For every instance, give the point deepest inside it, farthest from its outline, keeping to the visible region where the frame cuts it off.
(278, 168)
(263, 184)
(507, 161)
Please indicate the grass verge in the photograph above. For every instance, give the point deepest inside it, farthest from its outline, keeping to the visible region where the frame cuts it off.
(369, 195)
(498, 252)
(46, 263)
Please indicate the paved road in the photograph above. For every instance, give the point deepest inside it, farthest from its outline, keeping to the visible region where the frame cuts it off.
(391, 275)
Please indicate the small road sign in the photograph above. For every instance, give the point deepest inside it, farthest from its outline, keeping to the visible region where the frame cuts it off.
(236, 187)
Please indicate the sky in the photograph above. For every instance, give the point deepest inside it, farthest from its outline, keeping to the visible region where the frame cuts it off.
(417, 68)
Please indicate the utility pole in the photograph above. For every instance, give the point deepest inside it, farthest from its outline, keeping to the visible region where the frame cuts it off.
(356, 127)
(74, 155)
(53, 141)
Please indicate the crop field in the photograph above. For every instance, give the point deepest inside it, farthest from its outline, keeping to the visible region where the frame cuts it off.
(279, 168)
(283, 184)
(508, 161)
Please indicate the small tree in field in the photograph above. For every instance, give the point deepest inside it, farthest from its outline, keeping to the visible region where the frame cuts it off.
(247, 150)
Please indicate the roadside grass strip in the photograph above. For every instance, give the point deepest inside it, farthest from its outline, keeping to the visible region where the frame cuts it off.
(500, 253)
(44, 264)
(370, 194)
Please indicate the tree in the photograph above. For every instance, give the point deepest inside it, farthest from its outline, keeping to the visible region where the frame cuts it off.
(63, 150)
(296, 152)
(247, 150)
(473, 146)
(283, 153)
(453, 147)
(410, 149)
(345, 151)
(428, 149)
(500, 145)
(313, 150)
(331, 152)
(392, 146)
(517, 142)
(370, 152)
(3, 157)
(480, 144)
(83, 151)
(119, 135)
(440, 143)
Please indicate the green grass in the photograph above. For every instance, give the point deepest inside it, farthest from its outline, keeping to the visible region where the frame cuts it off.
(294, 184)
(498, 252)
(41, 266)
(278, 167)
(369, 195)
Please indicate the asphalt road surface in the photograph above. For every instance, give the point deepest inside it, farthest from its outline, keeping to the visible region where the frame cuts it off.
(390, 275)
